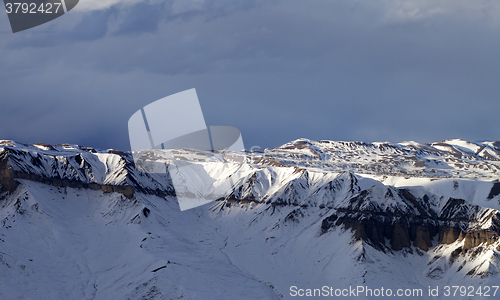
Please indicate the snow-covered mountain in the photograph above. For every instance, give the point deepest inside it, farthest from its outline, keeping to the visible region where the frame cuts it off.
(80, 223)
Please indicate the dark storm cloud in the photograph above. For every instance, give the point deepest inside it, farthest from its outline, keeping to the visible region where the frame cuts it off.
(140, 18)
(340, 70)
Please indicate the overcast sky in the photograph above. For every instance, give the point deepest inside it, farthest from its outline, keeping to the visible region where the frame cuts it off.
(278, 70)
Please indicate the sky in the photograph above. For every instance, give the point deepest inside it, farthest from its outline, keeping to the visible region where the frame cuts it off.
(278, 70)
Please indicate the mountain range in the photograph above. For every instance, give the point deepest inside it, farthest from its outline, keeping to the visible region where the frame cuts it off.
(309, 216)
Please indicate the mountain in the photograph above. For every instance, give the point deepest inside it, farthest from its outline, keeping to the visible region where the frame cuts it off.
(309, 216)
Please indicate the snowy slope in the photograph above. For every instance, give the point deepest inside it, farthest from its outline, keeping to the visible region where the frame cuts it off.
(66, 243)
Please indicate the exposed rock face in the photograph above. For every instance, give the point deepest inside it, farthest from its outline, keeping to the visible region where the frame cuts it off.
(495, 190)
(7, 182)
(403, 235)
(423, 238)
(417, 224)
(476, 238)
(448, 235)
(399, 231)
(74, 170)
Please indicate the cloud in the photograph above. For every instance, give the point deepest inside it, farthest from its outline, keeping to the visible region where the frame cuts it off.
(400, 11)
(88, 5)
(175, 7)
(280, 70)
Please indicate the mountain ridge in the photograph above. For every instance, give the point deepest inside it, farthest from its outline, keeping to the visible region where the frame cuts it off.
(324, 213)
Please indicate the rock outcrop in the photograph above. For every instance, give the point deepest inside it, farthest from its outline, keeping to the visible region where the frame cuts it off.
(74, 170)
(457, 221)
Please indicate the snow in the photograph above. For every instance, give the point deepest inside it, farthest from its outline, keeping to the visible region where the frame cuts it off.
(475, 192)
(85, 244)
(464, 145)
